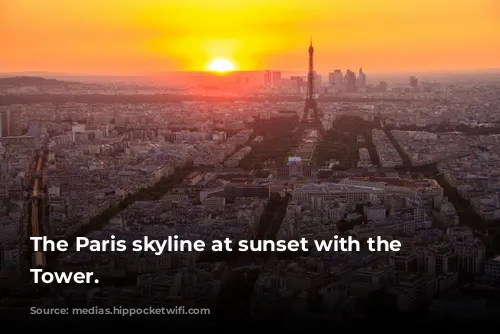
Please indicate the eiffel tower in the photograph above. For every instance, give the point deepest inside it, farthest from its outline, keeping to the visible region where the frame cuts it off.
(311, 114)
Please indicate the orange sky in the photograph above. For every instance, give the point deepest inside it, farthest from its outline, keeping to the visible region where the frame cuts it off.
(137, 36)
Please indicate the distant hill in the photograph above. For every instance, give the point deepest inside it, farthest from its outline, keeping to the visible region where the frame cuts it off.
(32, 81)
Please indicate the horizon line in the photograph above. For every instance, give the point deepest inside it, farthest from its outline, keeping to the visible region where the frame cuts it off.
(160, 72)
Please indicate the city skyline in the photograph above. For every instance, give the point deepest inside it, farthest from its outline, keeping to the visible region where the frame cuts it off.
(238, 164)
(133, 39)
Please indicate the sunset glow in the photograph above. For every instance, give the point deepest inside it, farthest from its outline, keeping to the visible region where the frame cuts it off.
(221, 65)
(125, 36)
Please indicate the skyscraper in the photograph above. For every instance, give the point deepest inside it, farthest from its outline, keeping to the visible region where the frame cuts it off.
(350, 81)
(267, 78)
(10, 123)
(299, 81)
(331, 78)
(272, 78)
(317, 83)
(276, 78)
(335, 78)
(361, 78)
(413, 82)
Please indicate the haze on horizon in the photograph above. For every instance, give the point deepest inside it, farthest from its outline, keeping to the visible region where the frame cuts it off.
(129, 37)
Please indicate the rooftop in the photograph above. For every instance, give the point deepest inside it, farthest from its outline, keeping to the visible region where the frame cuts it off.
(425, 183)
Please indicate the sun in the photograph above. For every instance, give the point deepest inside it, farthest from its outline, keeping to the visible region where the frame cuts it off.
(221, 65)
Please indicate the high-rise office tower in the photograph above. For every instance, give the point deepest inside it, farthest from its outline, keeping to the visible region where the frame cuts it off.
(335, 78)
(361, 78)
(276, 78)
(272, 78)
(267, 78)
(413, 82)
(10, 123)
(383, 86)
(350, 81)
(317, 83)
(299, 83)
(330, 78)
